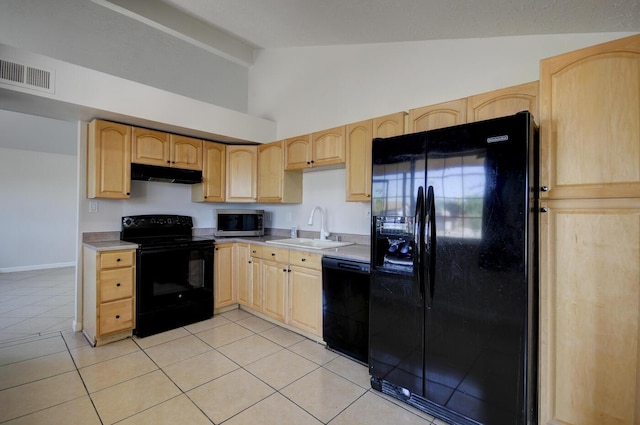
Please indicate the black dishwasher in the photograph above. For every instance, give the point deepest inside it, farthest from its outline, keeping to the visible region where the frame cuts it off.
(345, 306)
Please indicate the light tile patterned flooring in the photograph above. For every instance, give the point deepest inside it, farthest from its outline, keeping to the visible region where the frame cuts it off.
(233, 369)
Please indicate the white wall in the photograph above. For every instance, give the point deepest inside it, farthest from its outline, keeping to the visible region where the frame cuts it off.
(309, 89)
(84, 33)
(38, 209)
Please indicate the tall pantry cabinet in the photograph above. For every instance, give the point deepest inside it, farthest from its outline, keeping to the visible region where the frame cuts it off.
(590, 236)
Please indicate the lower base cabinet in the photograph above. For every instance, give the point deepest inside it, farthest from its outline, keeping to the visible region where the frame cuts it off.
(590, 312)
(280, 284)
(108, 294)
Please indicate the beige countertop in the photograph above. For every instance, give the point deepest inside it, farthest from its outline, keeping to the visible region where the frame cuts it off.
(110, 245)
(353, 252)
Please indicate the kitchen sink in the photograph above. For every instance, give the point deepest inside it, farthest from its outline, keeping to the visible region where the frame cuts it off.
(310, 243)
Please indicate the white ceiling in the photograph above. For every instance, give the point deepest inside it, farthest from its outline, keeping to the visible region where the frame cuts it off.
(291, 23)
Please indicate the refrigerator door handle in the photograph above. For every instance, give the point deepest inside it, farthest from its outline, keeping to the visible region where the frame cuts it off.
(430, 245)
(418, 235)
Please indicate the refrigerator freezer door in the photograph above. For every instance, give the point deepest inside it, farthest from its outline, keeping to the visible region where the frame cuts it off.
(396, 309)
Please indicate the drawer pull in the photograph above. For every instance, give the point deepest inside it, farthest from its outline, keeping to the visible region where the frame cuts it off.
(273, 254)
(303, 259)
(118, 284)
(117, 260)
(117, 316)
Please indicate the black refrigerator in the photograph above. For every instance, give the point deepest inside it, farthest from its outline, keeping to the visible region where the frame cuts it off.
(453, 296)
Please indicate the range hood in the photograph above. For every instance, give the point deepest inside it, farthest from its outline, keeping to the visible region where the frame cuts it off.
(154, 173)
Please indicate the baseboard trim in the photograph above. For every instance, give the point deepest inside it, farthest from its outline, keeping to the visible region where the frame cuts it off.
(36, 267)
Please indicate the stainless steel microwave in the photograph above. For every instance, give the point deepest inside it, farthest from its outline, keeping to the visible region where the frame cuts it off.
(239, 222)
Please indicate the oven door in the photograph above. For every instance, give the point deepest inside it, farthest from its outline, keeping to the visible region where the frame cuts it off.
(174, 287)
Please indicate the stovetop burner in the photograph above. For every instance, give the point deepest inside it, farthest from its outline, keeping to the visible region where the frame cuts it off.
(160, 230)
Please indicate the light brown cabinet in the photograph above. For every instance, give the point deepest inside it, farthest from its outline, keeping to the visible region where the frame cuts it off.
(108, 160)
(504, 102)
(305, 292)
(242, 167)
(109, 295)
(590, 236)
(322, 148)
(154, 147)
(286, 285)
(590, 137)
(242, 272)
(274, 270)
(224, 290)
(358, 151)
(213, 186)
(275, 184)
(437, 116)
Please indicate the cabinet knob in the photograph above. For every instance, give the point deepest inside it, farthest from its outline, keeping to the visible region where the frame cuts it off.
(284, 270)
(128, 193)
(168, 162)
(118, 284)
(303, 259)
(117, 316)
(544, 189)
(273, 254)
(544, 209)
(117, 260)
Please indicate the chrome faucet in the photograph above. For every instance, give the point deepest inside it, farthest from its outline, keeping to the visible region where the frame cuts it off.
(323, 233)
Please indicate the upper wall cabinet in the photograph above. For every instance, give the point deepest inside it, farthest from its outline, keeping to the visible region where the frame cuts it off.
(504, 102)
(590, 122)
(358, 150)
(275, 184)
(242, 167)
(326, 147)
(213, 186)
(153, 147)
(438, 116)
(109, 160)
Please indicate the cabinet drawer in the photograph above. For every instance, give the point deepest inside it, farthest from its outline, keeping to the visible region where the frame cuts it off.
(255, 251)
(116, 316)
(305, 259)
(111, 259)
(116, 284)
(279, 255)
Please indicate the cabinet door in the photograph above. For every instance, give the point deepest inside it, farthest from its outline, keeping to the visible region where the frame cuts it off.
(150, 147)
(115, 316)
(358, 168)
(186, 152)
(328, 147)
(256, 284)
(109, 160)
(504, 102)
(274, 289)
(242, 166)
(214, 177)
(270, 172)
(223, 293)
(590, 130)
(242, 272)
(438, 116)
(297, 154)
(390, 125)
(305, 299)
(589, 312)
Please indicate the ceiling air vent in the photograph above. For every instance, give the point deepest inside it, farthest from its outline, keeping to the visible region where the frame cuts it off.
(26, 76)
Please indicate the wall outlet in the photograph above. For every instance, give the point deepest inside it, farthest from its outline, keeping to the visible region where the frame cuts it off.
(93, 206)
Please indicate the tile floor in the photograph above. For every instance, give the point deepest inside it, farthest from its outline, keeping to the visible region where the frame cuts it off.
(232, 369)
